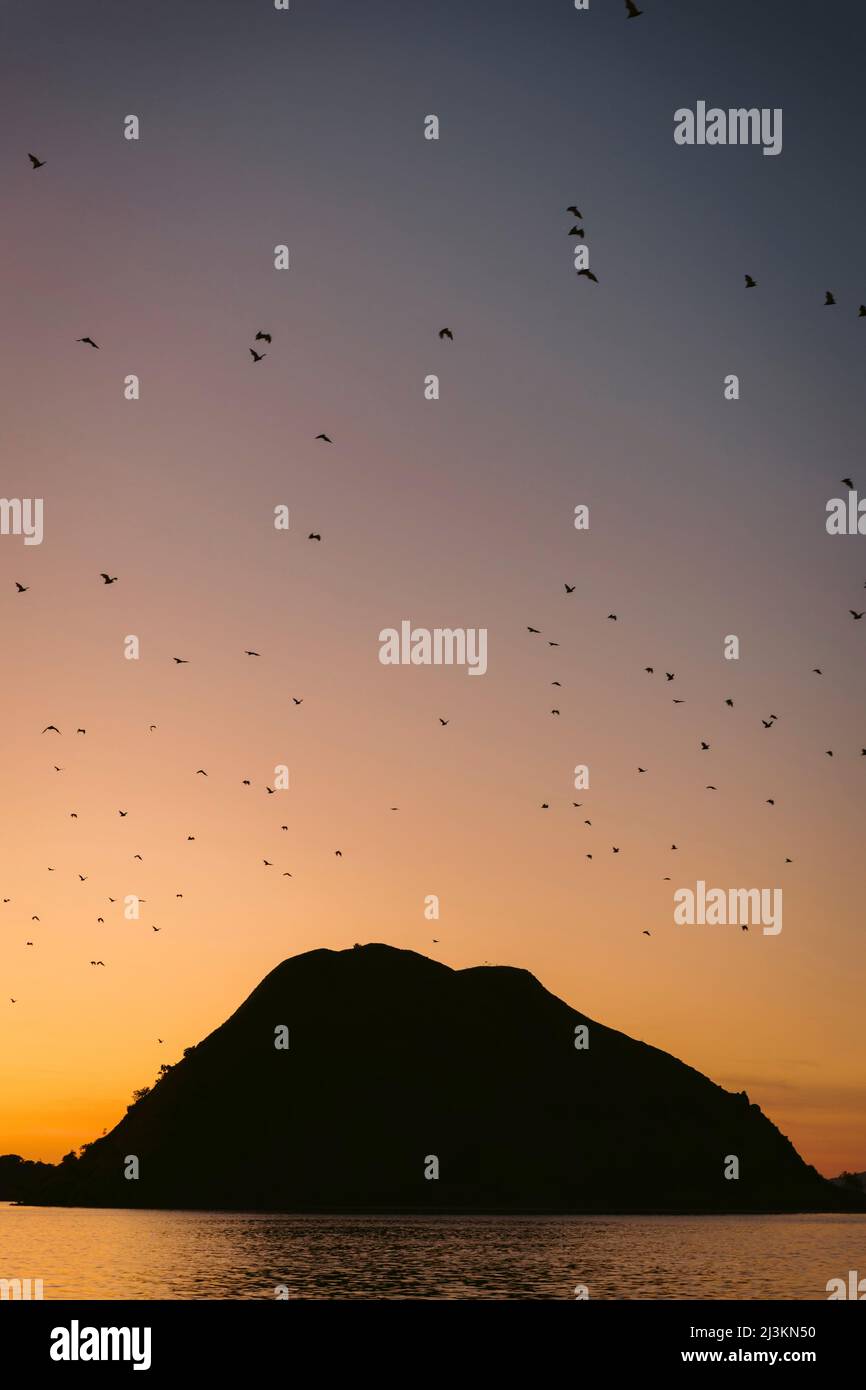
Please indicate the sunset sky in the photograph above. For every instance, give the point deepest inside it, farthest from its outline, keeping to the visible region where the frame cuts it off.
(707, 518)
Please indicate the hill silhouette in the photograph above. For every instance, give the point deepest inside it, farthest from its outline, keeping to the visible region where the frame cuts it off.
(393, 1059)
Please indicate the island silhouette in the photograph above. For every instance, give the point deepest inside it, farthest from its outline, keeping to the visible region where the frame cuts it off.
(376, 1079)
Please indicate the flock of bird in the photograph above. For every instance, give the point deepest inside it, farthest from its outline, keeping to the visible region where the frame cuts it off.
(445, 334)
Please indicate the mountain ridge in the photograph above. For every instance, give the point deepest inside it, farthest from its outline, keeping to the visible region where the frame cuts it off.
(393, 1061)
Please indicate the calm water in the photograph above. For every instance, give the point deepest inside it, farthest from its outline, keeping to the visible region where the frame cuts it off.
(80, 1253)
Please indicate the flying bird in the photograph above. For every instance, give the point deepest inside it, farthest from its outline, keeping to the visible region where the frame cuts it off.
(645, 933)
(570, 588)
(51, 728)
(444, 722)
(314, 536)
(257, 356)
(180, 660)
(123, 813)
(326, 438)
(262, 338)
(89, 342)
(589, 275)
(862, 312)
(848, 482)
(750, 283)
(704, 746)
(252, 653)
(37, 163)
(612, 618)
(829, 299)
(576, 212)
(633, 13)
(22, 588)
(446, 333)
(338, 853)
(295, 701)
(855, 616)
(107, 579)
(669, 675)
(577, 231)
(730, 702)
(533, 629)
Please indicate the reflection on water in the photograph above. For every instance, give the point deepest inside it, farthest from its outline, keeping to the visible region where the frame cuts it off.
(82, 1253)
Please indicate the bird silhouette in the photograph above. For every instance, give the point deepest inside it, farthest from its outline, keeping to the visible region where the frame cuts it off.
(51, 728)
(444, 722)
(338, 853)
(856, 616)
(37, 163)
(730, 702)
(575, 212)
(200, 772)
(88, 341)
(123, 813)
(645, 933)
(612, 618)
(861, 313)
(848, 482)
(326, 438)
(252, 653)
(180, 660)
(257, 356)
(446, 333)
(577, 231)
(534, 629)
(107, 579)
(669, 675)
(589, 276)
(22, 588)
(829, 298)
(704, 746)
(633, 12)
(296, 701)
(570, 588)
(314, 536)
(262, 338)
(750, 283)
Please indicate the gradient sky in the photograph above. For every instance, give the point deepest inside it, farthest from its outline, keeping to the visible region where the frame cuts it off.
(707, 518)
